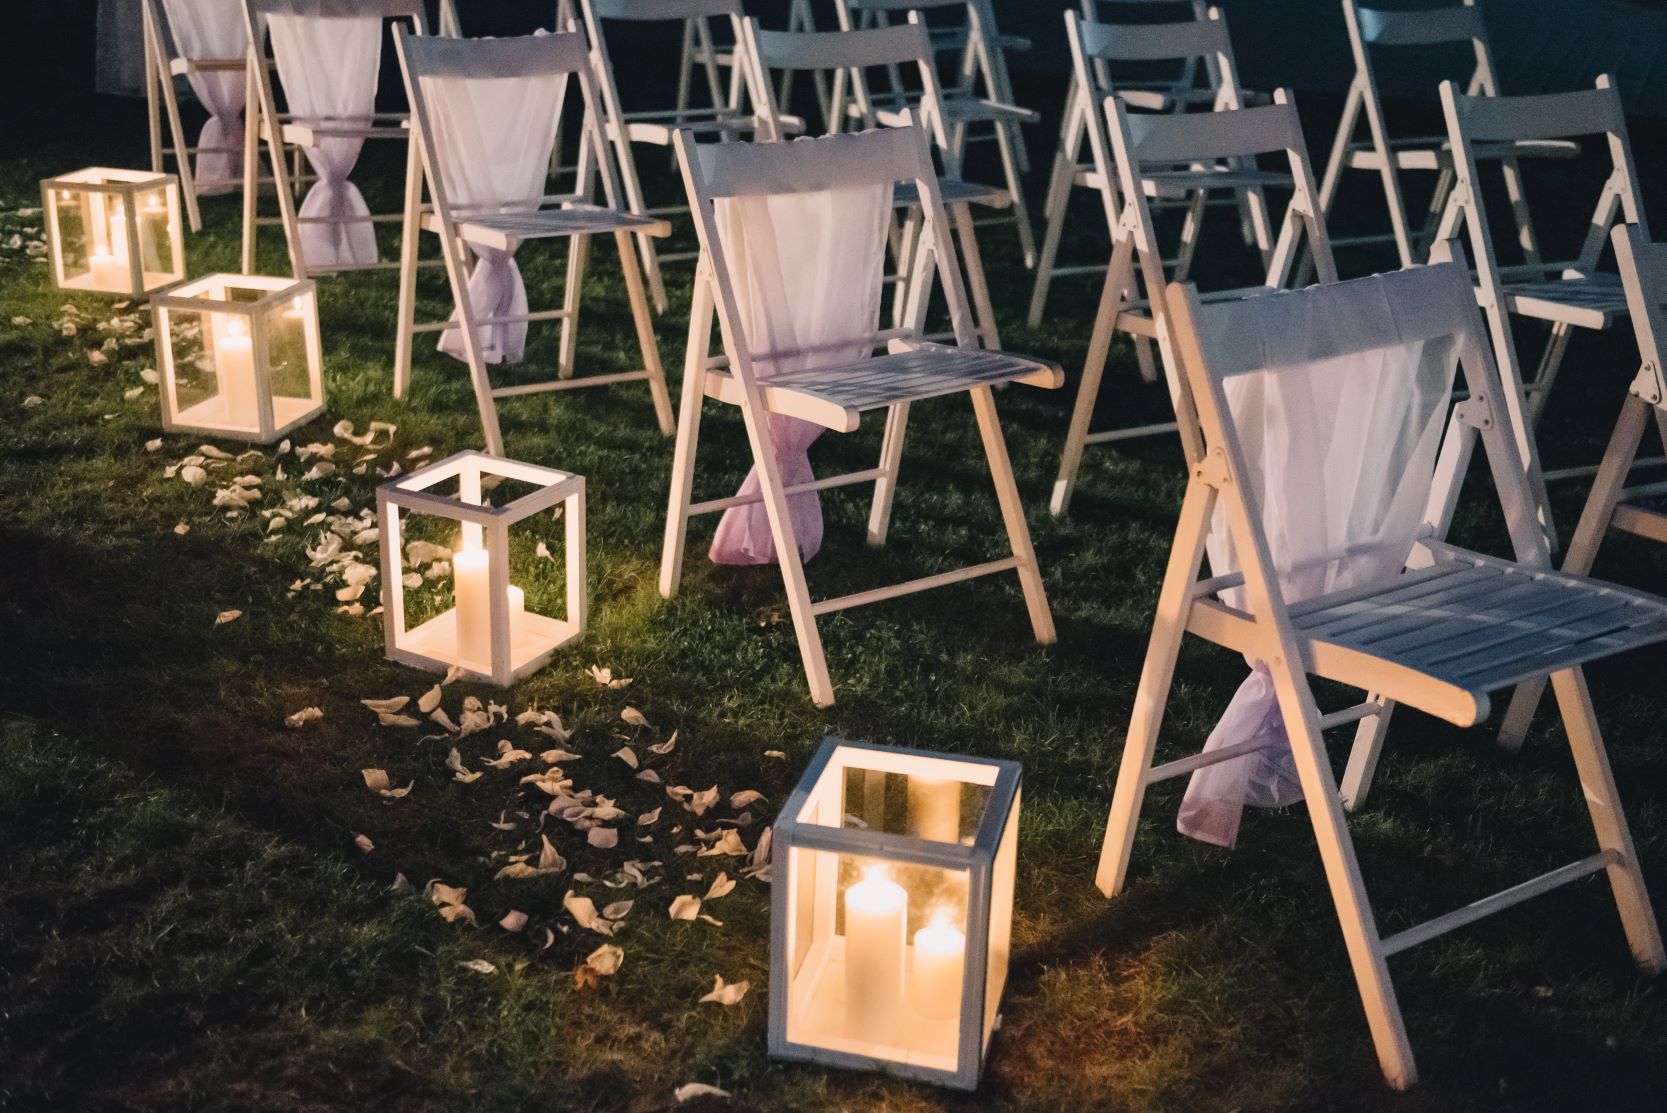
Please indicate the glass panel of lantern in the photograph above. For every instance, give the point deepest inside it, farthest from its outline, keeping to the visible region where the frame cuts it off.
(113, 231)
(892, 910)
(239, 355)
(464, 575)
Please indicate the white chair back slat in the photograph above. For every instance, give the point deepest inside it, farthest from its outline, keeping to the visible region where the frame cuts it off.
(1428, 27)
(833, 50)
(885, 155)
(1190, 137)
(1142, 42)
(650, 11)
(1543, 116)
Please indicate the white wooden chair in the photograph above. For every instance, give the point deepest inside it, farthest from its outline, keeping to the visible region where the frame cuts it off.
(1442, 636)
(824, 384)
(206, 43)
(1568, 294)
(966, 105)
(1164, 155)
(1185, 43)
(485, 212)
(841, 59)
(1612, 504)
(701, 52)
(329, 113)
(724, 119)
(1425, 29)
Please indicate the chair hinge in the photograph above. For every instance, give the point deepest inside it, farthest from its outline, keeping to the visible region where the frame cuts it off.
(1475, 412)
(1212, 470)
(1647, 385)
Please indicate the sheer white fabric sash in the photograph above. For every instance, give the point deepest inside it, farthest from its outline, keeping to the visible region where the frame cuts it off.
(806, 270)
(493, 138)
(211, 30)
(328, 64)
(1341, 451)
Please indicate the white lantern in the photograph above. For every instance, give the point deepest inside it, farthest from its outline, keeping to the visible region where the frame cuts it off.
(113, 231)
(451, 535)
(892, 911)
(239, 356)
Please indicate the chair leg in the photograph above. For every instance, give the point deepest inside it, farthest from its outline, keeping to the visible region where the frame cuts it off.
(972, 260)
(907, 244)
(891, 458)
(1013, 515)
(1054, 212)
(1363, 755)
(410, 244)
(1145, 360)
(1088, 391)
(1583, 546)
(251, 169)
(645, 334)
(634, 203)
(1546, 374)
(578, 259)
(688, 432)
(1157, 675)
(1015, 186)
(1597, 783)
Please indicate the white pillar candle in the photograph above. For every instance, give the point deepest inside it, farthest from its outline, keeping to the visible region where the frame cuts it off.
(939, 959)
(474, 608)
(234, 370)
(517, 614)
(935, 809)
(108, 272)
(876, 939)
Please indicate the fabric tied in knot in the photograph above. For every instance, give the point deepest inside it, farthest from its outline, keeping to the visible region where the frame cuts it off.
(346, 237)
(496, 290)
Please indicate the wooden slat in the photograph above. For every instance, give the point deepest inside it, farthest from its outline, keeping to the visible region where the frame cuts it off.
(1412, 624)
(1350, 614)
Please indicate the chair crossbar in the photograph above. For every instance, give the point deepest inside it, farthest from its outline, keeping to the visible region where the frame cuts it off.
(1499, 901)
(569, 384)
(846, 479)
(1585, 471)
(519, 318)
(911, 587)
(1641, 521)
(1108, 436)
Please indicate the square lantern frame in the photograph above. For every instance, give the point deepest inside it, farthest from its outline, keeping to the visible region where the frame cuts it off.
(93, 192)
(275, 414)
(988, 861)
(432, 645)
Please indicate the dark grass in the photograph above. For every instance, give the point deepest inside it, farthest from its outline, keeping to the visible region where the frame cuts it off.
(187, 923)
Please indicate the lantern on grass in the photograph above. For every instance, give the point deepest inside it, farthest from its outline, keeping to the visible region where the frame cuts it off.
(113, 231)
(892, 911)
(240, 356)
(453, 537)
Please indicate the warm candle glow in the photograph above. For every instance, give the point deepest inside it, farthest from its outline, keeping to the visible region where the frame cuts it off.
(876, 926)
(935, 809)
(234, 369)
(939, 959)
(470, 572)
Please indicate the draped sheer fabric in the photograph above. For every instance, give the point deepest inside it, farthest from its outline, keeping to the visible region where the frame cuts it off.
(806, 270)
(1341, 451)
(493, 138)
(208, 30)
(328, 62)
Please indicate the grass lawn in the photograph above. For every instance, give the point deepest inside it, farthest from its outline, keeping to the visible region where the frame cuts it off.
(189, 922)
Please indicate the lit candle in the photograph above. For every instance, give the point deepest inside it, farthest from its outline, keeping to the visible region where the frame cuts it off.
(517, 613)
(876, 939)
(939, 959)
(935, 809)
(469, 568)
(108, 272)
(234, 369)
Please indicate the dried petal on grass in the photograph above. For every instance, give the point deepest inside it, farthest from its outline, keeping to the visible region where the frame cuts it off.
(302, 717)
(665, 747)
(377, 781)
(634, 717)
(479, 966)
(690, 1090)
(428, 701)
(722, 886)
(606, 678)
(684, 907)
(363, 843)
(605, 959)
(741, 799)
(627, 755)
(227, 616)
(646, 818)
(583, 911)
(725, 994)
(387, 706)
(513, 920)
(728, 844)
(603, 838)
(700, 801)
(454, 762)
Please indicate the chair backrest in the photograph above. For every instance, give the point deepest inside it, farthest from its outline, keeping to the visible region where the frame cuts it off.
(846, 55)
(703, 13)
(1148, 143)
(487, 112)
(717, 174)
(1371, 28)
(201, 30)
(1095, 46)
(327, 53)
(1325, 409)
(1644, 275)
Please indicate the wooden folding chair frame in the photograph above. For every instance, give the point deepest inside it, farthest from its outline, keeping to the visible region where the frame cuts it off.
(982, 58)
(895, 154)
(162, 101)
(285, 138)
(1147, 151)
(846, 55)
(560, 53)
(725, 119)
(1203, 39)
(1265, 630)
(1479, 122)
(1370, 28)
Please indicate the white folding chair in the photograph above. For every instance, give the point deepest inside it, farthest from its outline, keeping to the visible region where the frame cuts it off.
(205, 42)
(701, 51)
(840, 59)
(1424, 30)
(1162, 155)
(1365, 369)
(724, 118)
(327, 55)
(1567, 295)
(966, 106)
(1612, 504)
(1187, 43)
(792, 240)
(484, 113)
